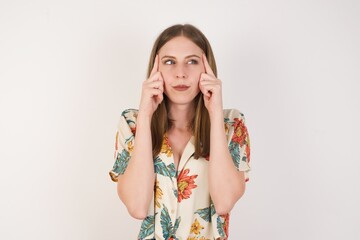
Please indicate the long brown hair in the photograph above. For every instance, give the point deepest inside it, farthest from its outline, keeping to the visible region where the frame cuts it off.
(200, 124)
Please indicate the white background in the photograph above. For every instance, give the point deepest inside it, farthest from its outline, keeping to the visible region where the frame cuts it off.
(69, 68)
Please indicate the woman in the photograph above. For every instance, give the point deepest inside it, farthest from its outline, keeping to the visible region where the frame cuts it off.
(181, 161)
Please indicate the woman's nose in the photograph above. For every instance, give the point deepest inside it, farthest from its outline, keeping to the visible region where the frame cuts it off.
(181, 72)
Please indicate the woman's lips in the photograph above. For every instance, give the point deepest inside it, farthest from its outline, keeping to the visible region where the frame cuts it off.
(181, 87)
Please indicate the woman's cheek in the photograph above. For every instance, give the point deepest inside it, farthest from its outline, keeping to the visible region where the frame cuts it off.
(167, 75)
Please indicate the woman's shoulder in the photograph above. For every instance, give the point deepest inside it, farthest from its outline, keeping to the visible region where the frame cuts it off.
(130, 114)
(233, 113)
(128, 119)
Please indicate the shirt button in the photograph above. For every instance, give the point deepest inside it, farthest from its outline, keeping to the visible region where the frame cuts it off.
(172, 211)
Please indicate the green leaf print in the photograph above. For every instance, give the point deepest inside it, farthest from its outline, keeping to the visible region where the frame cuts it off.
(169, 231)
(220, 227)
(166, 223)
(175, 193)
(234, 149)
(128, 118)
(171, 169)
(212, 210)
(121, 162)
(176, 225)
(147, 227)
(162, 169)
(206, 213)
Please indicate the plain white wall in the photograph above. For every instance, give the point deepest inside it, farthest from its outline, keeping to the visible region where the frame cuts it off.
(68, 69)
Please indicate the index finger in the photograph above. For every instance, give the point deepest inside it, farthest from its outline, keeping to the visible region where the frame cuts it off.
(208, 69)
(156, 65)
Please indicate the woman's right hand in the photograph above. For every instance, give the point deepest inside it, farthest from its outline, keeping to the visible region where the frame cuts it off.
(152, 91)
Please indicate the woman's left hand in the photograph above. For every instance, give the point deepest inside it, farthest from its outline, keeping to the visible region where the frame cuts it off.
(210, 86)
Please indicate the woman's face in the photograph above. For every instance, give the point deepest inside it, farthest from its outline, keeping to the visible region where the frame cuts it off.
(180, 63)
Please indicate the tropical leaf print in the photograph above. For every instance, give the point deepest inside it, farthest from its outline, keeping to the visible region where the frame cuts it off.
(206, 213)
(166, 223)
(212, 208)
(172, 170)
(222, 224)
(175, 193)
(220, 227)
(121, 162)
(177, 223)
(169, 231)
(235, 153)
(127, 111)
(129, 115)
(147, 227)
(162, 169)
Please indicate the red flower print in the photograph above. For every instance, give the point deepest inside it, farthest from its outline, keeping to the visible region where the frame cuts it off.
(240, 132)
(226, 224)
(185, 184)
(133, 130)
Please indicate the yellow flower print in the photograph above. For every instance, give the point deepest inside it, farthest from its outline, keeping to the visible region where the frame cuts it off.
(158, 194)
(196, 227)
(227, 128)
(165, 148)
(130, 145)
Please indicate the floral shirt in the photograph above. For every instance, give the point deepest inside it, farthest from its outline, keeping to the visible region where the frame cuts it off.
(182, 208)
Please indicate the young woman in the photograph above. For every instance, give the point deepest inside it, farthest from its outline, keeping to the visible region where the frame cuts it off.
(181, 161)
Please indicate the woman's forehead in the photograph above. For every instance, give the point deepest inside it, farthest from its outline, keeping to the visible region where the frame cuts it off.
(180, 46)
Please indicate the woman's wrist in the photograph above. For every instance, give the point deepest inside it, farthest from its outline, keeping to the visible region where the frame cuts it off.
(143, 117)
(216, 116)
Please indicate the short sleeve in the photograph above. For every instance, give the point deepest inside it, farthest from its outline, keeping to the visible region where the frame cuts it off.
(238, 139)
(124, 142)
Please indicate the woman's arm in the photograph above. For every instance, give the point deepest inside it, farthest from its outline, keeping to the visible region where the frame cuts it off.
(226, 183)
(136, 185)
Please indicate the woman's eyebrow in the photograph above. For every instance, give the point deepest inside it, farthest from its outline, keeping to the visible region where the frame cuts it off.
(193, 55)
(189, 56)
(167, 56)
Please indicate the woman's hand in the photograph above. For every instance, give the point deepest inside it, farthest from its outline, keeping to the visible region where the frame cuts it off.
(152, 91)
(210, 86)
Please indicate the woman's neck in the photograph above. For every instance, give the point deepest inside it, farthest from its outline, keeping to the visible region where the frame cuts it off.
(181, 116)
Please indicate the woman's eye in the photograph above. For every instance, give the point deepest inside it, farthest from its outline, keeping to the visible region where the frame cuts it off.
(192, 61)
(169, 62)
